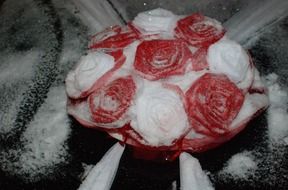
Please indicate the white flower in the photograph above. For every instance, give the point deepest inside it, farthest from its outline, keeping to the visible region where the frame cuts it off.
(156, 21)
(229, 58)
(89, 69)
(160, 115)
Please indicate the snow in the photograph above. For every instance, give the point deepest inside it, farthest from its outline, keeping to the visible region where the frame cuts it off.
(156, 21)
(11, 64)
(219, 59)
(44, 140)
(159, 112)
(13, 83)
(42, 147)
(278, 110)
(89, 69)
(130, 52)
(285, 140)
(97, 15)
(241, 165)
(251, 104)
(184, 81)
(103, 173)
(192, 177)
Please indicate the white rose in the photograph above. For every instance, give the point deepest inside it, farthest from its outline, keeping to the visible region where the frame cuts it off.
(156, 21)
(229, 58)
(89, 69)
(160, 115)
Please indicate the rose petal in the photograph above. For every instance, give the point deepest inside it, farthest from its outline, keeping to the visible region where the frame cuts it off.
(157, 59)
(110, 102)
(229, 58)
(184, 81)
(199, 31)
(160, 115)
(199, 60)
(89, 69)
(213, 102)
(252, 106)
(155, 21)
(114, 37)
(257, 85)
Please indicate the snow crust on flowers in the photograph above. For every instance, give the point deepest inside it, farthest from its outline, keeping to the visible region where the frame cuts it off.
(156, 21)
(159, 115)
(229, 58)
(90, 68)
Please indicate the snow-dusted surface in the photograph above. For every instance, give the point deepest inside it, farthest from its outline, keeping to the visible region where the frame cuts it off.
(241, 165)
(102, 175)
(277, 113)
(44, 140)
(39, 123)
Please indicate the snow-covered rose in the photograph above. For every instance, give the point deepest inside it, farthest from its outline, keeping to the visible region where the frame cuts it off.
(156, 21)
(89, 69)
(229, 58)
(160, 117)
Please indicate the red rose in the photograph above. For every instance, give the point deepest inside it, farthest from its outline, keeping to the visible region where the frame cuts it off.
(110, 102)
(199, 61)
(213, 102)
(113, 37)
(156, 59)
(199, 31)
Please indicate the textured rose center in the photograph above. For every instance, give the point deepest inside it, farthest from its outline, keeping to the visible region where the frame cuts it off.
(213, 102)
(110, 102)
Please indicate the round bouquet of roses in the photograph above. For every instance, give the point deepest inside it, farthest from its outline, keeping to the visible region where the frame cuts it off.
(166, 82)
